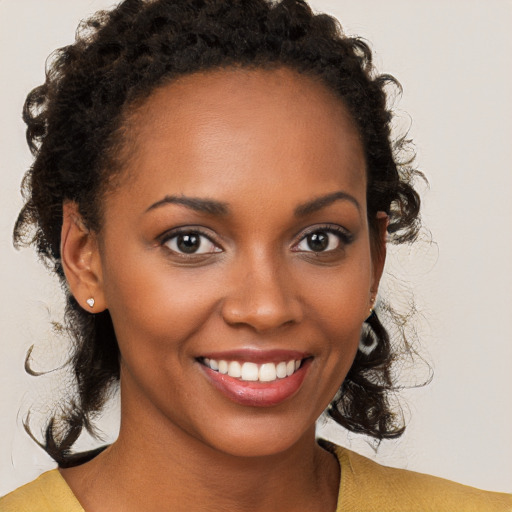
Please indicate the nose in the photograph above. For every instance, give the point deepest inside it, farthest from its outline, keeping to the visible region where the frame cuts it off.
(261, 296)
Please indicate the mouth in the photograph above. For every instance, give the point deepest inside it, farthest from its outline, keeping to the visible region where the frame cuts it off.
(253, 372)
(256, 379)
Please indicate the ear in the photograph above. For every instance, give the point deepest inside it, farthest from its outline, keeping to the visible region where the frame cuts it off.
(379, 240)
(81, 260)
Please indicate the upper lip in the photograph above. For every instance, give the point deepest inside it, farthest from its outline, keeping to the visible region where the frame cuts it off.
(256, 356)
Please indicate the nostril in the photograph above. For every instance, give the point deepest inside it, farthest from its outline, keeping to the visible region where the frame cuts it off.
(263, 296)
(260, 316)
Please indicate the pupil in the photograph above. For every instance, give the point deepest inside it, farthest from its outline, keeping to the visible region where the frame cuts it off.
(188, 243)
(318, 241)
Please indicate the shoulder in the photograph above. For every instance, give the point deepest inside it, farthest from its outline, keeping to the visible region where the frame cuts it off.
(366, 486)
(48, 493)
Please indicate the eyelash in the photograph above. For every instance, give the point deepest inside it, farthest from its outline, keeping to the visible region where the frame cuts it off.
(188, 230)
(343, 235)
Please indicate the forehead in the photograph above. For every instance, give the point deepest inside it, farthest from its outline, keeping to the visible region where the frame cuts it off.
(203, 132)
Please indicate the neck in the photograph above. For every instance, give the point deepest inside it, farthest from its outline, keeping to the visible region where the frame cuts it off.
(192, 475)
(155, 465)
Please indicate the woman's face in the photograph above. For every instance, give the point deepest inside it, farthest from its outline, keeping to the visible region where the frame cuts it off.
(237, 241)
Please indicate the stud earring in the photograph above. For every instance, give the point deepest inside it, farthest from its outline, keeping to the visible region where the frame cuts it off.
(90, 302)
(372, 302)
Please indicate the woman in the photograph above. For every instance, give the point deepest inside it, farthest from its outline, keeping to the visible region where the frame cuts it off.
(214, 184)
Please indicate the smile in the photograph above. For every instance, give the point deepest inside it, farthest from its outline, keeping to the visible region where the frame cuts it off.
(256, 378)
(253, 372)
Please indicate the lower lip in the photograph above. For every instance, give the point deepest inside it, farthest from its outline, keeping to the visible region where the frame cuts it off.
(257, 394)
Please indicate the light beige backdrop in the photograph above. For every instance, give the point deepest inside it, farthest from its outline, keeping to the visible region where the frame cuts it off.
(453, 59)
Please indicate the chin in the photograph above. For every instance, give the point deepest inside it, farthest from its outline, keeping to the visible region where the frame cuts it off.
(261, 437)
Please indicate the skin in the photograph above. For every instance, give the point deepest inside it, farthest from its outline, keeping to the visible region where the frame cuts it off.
(262, 144)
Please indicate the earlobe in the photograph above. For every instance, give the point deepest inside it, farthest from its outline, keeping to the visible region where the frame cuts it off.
(81, 260)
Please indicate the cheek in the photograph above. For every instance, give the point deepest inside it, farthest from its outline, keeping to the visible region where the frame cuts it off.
(155, 303)
(339, 312)
(340, 298)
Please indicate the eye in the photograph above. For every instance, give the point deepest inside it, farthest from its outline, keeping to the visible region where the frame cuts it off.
(324, 239)
(191, 242)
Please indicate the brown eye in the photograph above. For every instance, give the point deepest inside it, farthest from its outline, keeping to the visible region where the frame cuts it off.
(318, 241)
(322, 240)
(191, 242)
(188, 243)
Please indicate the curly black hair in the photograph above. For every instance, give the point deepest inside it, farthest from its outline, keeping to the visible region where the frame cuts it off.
(75, 131)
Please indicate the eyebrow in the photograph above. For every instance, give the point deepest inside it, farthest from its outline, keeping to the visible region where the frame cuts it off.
(213, 207)
(194, 203)
(323, 201)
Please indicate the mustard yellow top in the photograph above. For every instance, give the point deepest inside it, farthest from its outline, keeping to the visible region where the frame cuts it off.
(365, 487)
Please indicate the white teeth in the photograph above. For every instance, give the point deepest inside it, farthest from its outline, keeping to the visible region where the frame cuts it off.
(223, 367)
(249, 371)
(281, 370)
(266, 372)
(234, 369)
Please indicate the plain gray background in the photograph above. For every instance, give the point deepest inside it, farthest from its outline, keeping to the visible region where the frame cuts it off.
(453, 59)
